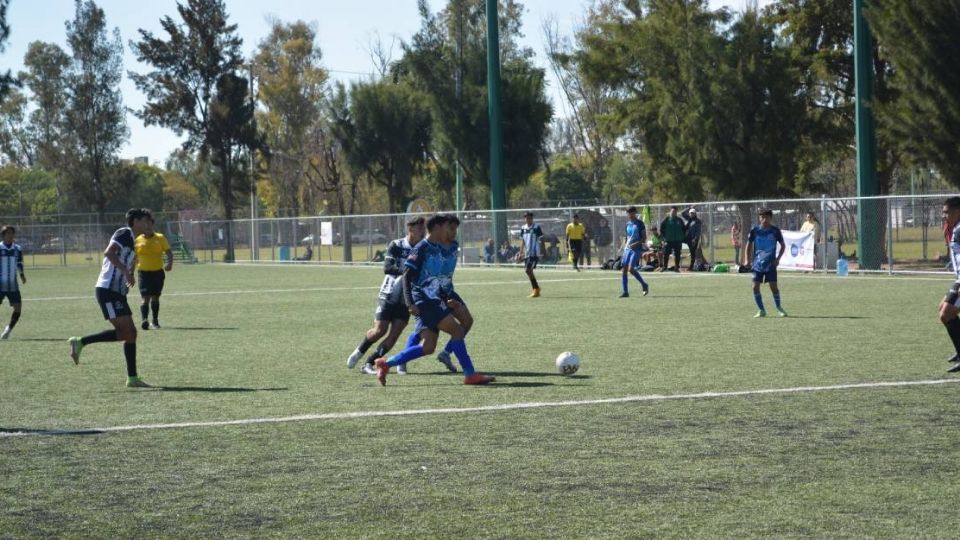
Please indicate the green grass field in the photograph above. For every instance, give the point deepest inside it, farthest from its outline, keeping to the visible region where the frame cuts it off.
(242, 343)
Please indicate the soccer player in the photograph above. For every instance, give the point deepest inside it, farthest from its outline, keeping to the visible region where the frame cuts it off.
(429, 295)
(150, 247)
(531, 247)
(950, 305)
(575, 235)
(11, 263)
(762, 248)
(391, 313)
(116, 278)
(634, 243)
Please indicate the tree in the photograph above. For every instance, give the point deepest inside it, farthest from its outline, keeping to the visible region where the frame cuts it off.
(432, 62)
(291, 88)
(919, 40)
(390, 136)
(193, 87)
(47, 66)
(15, 145)
(567, 184)
(6, 79)
(95, 118)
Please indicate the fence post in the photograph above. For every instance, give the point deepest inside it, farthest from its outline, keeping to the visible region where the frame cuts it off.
(713, 243)
(824, 232)
(890, 236)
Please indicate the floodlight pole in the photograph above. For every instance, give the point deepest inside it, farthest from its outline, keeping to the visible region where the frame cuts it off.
(498, 195)
(868, 239)
(254, 252)
(459, 91)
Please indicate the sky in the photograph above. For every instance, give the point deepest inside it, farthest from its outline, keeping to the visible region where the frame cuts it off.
(345, 31)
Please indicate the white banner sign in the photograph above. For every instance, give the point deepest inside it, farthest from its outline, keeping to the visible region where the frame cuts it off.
(326, 233)
(799, 251)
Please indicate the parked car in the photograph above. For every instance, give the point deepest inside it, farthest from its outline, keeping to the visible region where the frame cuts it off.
(52, 245)
(371, 237)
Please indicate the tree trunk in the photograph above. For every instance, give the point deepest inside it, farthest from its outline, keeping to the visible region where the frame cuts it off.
(226, 197)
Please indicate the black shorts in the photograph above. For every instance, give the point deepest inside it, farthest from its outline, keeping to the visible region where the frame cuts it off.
(391, 311)
(151, 282)
(532, 262)
(113, 304)
(12, 296)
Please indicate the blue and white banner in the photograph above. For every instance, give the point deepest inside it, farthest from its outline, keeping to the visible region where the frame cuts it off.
(799, 252)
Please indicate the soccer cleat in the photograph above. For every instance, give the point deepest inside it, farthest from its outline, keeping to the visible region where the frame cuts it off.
(76, 345)
(760, 314)
(6, 333)
(136, 382)
(402, 369)
(369, 369)
(145, 325)
(954, 368)
(353, 358)
(954, 358)
(535, 293)
(478, 378)
(444, 358)
(646, 289)
(155, 325)
(624, 295)
(781, 312)
(382, 370)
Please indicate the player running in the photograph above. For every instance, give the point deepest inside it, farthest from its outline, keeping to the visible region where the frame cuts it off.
(950, 305)
(151, 247)
(530, 249)
(634, 243)
(762, 247)
(11, 263)
(116, 278)
(428, 292)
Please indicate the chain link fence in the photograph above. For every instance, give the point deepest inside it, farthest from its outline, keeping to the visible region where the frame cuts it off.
(905, 232)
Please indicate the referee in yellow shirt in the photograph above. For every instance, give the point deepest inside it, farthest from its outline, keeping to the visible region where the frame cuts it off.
(150, 247)
(576, 232)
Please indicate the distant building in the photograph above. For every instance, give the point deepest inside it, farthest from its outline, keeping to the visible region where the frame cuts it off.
(141, 160)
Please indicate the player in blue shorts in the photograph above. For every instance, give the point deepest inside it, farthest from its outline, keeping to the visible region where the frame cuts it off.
(762, 245)
(634, 244)
(429, 295)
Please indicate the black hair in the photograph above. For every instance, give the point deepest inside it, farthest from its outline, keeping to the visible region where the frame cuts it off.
(419, 220)
(8, 228)
(765, 212)
(134, 214)
(952, 202)
(436, 220)
(674, 208)
(528, 214)
(576, 216)
(632, 210)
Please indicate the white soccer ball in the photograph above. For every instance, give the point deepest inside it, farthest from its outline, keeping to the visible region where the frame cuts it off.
(568, 363)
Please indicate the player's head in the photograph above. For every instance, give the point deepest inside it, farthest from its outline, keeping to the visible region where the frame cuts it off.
(7, 232)
(673, 211)
(528, 217)
(766, 216)
(415, 229)
(137, 219)
(951, 210)
(452, 225)
(632, 212)
(811, 217)
(576, 218)
(693, 212)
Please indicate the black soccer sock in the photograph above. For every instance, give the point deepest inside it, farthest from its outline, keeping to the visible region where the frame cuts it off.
(380, 352)
(155, 306)
(953, 330)
(103, 337)
(144, 310)
(13, 319)
(364, 345)
(533, 282)
(130, 353)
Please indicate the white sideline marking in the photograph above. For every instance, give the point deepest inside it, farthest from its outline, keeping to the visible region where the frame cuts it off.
(486, 408)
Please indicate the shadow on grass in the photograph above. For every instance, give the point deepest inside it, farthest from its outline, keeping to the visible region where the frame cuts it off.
(12, 432)
(826, 317)
(42, 339)
(217, 389)
(519, 384)
(208, 328)
(502, 374)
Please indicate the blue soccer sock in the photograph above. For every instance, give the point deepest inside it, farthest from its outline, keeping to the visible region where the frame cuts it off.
(413, 340)
(459, 348)
(776, 300)
(625, 283)
(449, 347)
(636, 274)
(759, 300)
(406, 355)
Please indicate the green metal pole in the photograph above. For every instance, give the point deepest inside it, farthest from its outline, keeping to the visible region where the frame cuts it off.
(498, 194)
(459, 90)
(868, 234)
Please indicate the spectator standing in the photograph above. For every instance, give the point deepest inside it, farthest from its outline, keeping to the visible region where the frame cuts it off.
(694, 236)
(811, 225)
(735, 239)
(576, 233)
(674, 230)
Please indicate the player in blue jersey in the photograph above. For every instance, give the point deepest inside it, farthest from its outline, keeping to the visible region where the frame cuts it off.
(11, 264)
(429, 295)
(950, 305)
(634, 244)
(531, 249)
(116, 278)
(762, 245)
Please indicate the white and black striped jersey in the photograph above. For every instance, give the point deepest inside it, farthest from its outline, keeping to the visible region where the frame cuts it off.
(11, 263)
(955, 252)
(110, 277)
(397, 252)
(531, 234)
